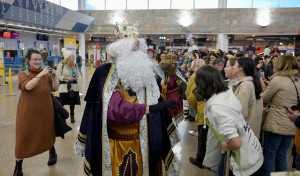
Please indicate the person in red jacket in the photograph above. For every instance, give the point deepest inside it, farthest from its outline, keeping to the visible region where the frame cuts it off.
(275, 50)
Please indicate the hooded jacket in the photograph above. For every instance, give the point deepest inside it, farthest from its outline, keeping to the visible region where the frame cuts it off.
(224, 112)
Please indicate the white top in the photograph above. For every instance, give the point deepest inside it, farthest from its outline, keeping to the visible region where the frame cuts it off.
(192, 48)
(267, 52)
(62, 72)
(224, 112)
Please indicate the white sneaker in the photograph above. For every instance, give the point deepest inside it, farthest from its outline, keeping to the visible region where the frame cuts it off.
(193, 133)
(80, 94)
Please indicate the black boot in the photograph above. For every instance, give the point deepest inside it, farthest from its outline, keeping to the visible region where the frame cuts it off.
(196, 162)
(72, 118)
(52, 156)
(18, 168)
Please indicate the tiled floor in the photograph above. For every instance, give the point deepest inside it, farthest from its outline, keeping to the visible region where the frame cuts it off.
(68, 163)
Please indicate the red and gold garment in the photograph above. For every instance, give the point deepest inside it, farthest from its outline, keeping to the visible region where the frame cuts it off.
(173, 93)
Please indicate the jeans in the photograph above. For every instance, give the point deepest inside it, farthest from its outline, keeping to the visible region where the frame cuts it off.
(221, 170)
(298, 162)
(275, 151)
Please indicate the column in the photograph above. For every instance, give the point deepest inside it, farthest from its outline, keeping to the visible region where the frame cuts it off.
(81, 5)
(222, 42)
(82, 45)
(222, 3)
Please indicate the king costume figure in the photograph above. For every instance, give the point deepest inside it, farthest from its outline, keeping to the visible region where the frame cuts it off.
(122, 132)
(175, 85)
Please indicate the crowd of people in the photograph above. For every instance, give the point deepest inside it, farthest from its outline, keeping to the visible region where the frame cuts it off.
(262, 84)
(135, 102)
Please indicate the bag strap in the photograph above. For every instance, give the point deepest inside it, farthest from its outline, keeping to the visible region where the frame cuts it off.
(298, 99)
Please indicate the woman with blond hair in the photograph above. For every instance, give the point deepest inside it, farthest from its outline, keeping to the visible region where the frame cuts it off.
(279, 130)
(67, 74)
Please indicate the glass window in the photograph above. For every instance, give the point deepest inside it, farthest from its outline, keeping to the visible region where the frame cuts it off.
(180, 4)
(204, 4)
(115, 4)
(94, 4)
(159, 4)
(239, 4)
(134, 4)
(265, 3)
(70, 4)
(289, 3)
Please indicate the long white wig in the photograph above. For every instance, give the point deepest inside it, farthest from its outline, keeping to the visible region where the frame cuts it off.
(135, 68)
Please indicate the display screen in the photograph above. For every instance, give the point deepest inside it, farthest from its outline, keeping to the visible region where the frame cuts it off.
(15, 35)
(6, 34)
(39, 37)
(42, 37)
(151, 46)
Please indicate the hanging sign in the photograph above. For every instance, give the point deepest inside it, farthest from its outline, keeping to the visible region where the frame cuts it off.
(70, 44)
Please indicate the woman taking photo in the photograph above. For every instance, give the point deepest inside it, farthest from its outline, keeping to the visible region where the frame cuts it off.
(279, 130)
(67, 74)
(224, 112)
(248, 91)
(35, 131)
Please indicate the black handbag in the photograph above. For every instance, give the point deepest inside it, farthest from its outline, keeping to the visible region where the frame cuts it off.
(60, 116)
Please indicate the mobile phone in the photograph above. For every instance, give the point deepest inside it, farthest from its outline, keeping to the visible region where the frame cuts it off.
(285, 107)
(50, 63)
(295, 108)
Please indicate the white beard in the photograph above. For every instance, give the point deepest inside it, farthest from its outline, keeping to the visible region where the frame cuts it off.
(135, 72)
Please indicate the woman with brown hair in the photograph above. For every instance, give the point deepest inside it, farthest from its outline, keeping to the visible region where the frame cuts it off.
(212, 56)
(35, 131)
(67, 74)
(279, 130)
(270, 67)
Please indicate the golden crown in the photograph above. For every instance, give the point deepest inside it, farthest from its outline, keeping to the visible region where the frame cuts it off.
(126, 30)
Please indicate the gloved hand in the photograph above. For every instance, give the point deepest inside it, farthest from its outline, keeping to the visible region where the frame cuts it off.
(164, 104)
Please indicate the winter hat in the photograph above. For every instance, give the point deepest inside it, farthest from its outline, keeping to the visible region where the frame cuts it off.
(66, 53)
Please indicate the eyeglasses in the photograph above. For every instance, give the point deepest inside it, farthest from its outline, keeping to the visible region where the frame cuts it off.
(37, 59)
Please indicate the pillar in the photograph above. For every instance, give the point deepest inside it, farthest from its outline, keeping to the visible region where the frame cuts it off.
(222, 3)
(82, 45)
(81, 5)
(222, 42)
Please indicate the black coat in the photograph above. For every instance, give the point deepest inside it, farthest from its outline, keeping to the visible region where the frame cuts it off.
(60, 116)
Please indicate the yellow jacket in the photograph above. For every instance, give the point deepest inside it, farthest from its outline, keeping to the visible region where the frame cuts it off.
(196, 105)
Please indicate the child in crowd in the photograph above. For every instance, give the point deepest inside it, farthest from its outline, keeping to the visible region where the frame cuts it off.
(224, 112)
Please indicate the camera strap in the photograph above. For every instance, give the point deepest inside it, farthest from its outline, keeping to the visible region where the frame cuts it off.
(298, 101)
